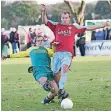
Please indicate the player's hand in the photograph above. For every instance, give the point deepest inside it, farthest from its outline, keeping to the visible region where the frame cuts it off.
(106, 24)
(43, 7)
(55, 43)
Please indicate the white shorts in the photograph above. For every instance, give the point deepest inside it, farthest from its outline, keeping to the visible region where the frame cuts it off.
(60, 59)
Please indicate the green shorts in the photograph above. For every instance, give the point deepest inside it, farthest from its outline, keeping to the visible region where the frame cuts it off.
(41, 71)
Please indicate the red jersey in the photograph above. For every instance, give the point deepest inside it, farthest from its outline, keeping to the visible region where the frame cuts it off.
(65, 35)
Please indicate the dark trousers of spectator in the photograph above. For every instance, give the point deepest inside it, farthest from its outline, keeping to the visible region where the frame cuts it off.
(14, 47)
(18, 45)
(74, 49)
(28, 45)
(82, 49)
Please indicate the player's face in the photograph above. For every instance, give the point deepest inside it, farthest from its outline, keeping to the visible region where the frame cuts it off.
(40, 42)
(65, 19)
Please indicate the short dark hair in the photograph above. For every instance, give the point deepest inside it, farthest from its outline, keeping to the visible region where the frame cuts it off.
(66, 12)
(30, 29)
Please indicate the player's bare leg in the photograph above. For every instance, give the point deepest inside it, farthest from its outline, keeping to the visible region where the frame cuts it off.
(62, 94)
(52, 94)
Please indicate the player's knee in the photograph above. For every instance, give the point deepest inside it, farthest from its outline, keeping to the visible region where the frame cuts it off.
(42, 80)
(45, 87)
(65, 68)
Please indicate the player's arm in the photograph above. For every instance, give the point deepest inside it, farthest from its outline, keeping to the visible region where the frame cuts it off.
(43, 13)
(91, 28)
(79, 29)
(82, 29)
(51, 25)
(18, 55)
(50, 52)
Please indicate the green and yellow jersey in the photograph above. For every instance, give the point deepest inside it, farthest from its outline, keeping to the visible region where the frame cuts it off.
(40, 56)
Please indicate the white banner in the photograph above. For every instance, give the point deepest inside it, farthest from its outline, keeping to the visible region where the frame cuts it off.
(95, 48)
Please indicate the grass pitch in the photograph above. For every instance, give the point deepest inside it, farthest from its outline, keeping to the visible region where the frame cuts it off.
(89, 85)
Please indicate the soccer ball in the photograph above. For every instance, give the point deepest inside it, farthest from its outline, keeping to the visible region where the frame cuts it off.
(66, 103)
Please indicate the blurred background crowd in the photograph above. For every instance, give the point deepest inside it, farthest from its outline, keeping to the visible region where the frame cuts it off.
(21, 22)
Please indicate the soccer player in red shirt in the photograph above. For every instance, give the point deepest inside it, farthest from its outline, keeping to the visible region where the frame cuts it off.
(64, 39)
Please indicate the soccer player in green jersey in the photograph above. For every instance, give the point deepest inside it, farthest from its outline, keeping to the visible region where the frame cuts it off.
(41, 67)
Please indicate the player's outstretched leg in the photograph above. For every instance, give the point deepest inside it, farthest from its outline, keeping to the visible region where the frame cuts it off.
(47, 100)
(62, 94)
(47, 87)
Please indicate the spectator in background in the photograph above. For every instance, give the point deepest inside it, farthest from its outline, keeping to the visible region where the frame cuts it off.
(74, 49)
(81, 44)
(93, 35)
(46, 41)
(33, 34)
(100, 34)
(109, 34)
(28, 38)
(4, 44)
(11, 39)
(33, 37)
(16, 40)
(2, 41)
(106, 31)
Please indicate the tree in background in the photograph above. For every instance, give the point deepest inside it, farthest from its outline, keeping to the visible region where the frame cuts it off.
(109, 3)
(20, 13)
(28, 12)
(79, 15)
(103, 8)
(4, 23)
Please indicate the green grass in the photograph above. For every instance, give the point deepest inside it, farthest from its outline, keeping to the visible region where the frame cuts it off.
(89, 85)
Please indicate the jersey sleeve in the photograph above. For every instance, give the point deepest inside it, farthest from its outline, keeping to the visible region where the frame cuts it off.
(80, 29)
(21, 54)
(51, 26)
(50, 52)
